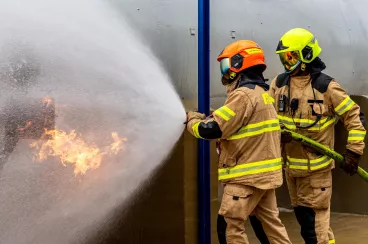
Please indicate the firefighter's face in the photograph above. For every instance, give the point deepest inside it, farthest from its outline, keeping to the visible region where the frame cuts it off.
(290, 60)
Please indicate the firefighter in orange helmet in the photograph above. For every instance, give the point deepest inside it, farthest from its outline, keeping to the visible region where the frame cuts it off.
(248, 133)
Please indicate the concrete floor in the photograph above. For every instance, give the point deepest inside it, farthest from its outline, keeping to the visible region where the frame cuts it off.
(348, 229)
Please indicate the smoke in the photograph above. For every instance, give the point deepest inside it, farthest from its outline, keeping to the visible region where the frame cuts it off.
(103, 79)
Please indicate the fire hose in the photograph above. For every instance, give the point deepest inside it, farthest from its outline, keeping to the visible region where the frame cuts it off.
(323, 150)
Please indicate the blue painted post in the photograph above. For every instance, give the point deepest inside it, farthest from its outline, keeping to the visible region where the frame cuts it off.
(204, 107)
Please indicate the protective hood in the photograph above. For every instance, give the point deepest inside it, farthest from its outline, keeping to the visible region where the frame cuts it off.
(316, 67)
(251, 79)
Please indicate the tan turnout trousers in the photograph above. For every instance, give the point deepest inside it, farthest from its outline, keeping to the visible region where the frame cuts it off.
(240, 201)
(311, 196)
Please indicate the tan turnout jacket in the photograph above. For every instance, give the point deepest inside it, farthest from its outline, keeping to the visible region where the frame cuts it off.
(323, 96)
(249, 151)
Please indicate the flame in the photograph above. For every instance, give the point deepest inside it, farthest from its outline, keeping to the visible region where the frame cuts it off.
(117, 145)
(47, 101)
(72, 149)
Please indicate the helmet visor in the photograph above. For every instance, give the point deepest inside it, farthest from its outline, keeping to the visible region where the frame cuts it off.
(224, 65)
(290, 60)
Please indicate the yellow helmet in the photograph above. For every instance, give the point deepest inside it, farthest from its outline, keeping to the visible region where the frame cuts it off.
(297, 46)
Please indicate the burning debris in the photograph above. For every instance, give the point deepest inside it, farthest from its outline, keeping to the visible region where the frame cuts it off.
(72, 149)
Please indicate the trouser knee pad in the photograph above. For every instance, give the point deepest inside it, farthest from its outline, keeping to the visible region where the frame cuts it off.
(258, 230)
(306, 219)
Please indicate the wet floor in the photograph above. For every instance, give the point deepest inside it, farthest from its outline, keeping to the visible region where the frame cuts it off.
(348, 229)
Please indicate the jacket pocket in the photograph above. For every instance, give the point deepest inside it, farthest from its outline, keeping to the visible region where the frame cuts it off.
(235, 201)
(321, 192)
(227, 156)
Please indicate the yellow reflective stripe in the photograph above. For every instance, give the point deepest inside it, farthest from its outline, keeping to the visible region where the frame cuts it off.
(356, 135)
(331, 241)
(256, 129)
(315, 164)
(267, 99)
(225, 113)
(253, 50)
(195, 129)
(250, 168)
(322, 124)
(361, 132)
(325, 125)
(344, 106)
(297, 120)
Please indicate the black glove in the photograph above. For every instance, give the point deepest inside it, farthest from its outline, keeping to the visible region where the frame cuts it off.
(351, 162)
(285, 136)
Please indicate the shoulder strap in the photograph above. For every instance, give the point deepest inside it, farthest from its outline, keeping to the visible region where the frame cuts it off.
(282, 80)
(321, 82)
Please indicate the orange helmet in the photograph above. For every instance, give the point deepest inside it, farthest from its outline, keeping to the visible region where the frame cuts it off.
(241, 55)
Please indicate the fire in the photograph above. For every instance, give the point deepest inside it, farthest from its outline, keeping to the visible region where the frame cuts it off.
(116, 146)
(72, 149)
(47, 101)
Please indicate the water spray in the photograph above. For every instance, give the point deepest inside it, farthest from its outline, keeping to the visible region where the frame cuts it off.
(104, 84)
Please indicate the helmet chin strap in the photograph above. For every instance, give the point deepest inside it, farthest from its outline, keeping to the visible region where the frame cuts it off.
(232, 75)
(296, 66)
(229, 78)
(302, 67)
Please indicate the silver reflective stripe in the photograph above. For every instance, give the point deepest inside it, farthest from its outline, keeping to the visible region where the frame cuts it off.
(325, 160)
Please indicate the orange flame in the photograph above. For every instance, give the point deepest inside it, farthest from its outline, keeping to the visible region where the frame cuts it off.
(47, 101)
(73, 150)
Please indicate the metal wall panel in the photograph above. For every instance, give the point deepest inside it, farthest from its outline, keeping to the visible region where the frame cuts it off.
(341, 27)
(169, 27)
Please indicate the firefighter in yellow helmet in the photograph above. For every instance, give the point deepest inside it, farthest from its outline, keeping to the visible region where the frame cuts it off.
(309, 102)
(250, 164)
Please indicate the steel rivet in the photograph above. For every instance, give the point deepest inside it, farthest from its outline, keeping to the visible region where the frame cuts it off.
(192, 31)
(232, 34)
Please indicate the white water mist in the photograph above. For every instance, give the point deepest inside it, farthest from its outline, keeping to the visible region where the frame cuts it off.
(103, 79)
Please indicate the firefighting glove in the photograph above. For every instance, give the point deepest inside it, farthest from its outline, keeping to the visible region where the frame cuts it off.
(194, 115)
(351, 162)
(285, 136)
